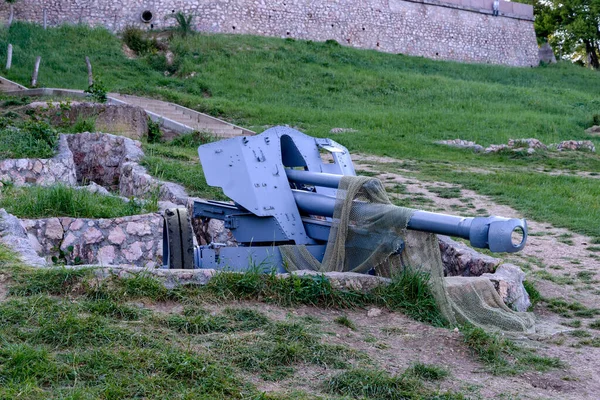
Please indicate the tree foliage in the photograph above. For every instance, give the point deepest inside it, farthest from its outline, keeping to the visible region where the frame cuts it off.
(571, 26)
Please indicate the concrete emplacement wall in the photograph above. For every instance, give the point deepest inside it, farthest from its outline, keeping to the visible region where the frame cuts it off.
(461, 30)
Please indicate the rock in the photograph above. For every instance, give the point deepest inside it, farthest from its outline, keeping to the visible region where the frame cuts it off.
(14, 236)
(76, 225)
(577, 145)
(92, 236)
(138, 229)
(508, 281)
(462, 144)
(133, 252)
(343, 130)
(373, 313)
(546, 54)
(527, 143)
(116, 235)
(495, 148)
(54, 229)
(106, 255)
(69, 240)
(461, 260)
(93, 187)
(594, 130)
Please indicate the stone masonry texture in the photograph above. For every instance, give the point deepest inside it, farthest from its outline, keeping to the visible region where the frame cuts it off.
(460, 30)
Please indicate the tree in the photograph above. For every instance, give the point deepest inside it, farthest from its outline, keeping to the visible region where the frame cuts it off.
(572, 26)
(12, 10)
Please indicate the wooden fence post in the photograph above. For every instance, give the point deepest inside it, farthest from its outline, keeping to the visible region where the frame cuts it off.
(89, 68)
(36, 70)
(9, 57)
(45, 19)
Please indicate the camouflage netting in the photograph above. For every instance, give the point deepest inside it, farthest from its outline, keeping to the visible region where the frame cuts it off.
(367, 233)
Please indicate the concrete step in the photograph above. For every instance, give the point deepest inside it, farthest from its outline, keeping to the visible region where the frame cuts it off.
(192, 119)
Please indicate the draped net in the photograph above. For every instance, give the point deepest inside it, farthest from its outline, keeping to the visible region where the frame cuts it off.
(367, 233)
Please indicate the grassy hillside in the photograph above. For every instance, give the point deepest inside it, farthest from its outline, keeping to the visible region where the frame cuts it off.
(400, 105)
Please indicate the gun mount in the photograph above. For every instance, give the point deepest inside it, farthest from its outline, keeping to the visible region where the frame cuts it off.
(284, 193)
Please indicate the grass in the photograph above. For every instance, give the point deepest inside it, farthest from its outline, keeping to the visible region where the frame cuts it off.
(62, 201)
(428, 372)
(66, 333)
(400, 105)
(534, 294)
(502, 356)
(27, 139)
(343, 320)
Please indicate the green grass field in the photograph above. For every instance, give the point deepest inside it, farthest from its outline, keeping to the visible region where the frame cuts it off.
(400, 106)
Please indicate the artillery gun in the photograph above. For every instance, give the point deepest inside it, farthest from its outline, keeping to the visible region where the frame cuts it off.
(283, 185)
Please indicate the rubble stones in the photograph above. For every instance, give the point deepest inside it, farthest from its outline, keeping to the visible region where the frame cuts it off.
(462, 144)
(594, 130)
(508, 281)
(527, 143)
(581, 145)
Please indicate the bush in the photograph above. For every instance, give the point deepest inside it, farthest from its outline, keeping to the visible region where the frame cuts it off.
(184, 23)
(135, 39)
(97, 91)
(31, 139)
(154, 132)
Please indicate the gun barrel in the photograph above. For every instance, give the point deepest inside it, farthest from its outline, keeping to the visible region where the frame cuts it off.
(494, 233)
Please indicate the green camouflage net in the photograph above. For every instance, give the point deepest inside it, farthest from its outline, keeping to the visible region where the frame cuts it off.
(367, 232)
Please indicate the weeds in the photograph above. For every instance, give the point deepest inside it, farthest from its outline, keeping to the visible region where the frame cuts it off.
(503, 357)
(62, 201)
(428, 372)
(343, 320)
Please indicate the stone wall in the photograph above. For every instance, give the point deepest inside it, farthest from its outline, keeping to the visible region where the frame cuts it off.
(461, 30)
(39, 171)
(99, 157)
(134, 240)
(123, 119)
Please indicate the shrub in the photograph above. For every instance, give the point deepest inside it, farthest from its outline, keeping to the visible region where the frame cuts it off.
(154, 132)
(97, 91)
(135, 39)
(184, 23)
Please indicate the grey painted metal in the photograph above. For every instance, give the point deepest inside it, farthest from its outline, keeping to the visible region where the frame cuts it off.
(251, 171)
(313, 178)
(492, 232)
(264, 258)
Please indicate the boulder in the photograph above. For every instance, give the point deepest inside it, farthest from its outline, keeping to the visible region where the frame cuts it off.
(461, 260)
(508, 281)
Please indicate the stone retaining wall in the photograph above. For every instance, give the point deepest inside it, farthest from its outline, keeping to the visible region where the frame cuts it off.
(99, 156)
(134, 240)
(40, 171)
(461, 30)
(127, 120)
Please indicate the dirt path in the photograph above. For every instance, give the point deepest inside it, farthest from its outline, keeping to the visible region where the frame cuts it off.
(558, 261)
